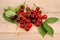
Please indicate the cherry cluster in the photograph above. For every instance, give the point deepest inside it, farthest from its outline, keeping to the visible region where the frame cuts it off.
(27, 16)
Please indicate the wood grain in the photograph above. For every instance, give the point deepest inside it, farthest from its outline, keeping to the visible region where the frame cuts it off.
(8, 30)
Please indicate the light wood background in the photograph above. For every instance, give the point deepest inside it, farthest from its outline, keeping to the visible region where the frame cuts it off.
(8, 30)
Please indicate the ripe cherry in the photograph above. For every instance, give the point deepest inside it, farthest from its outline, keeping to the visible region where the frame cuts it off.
(33, 20)
(39, 20)
(32, 16)
(28, 21)
(38, 15)
(27, 28)
(22, 6)
(23, 18)
(27, 15)
(22, 25)
(18, 12)
(18, 19)
(40, 11)
(12, 17)
(21, 21)
(21, 10)
(35, 11)
(29, 25)
(24, 13)
(44, 16)
(37, 24)
(31, 11)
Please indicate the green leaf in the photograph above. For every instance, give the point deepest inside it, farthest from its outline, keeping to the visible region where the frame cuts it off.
(10, 8)
(50, 31)
(51, 20)
(8, 19)
(9, 13)
(42, 30)
(18, 8)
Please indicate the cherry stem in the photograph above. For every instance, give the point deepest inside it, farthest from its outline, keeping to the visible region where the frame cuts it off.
(34, 5)
(24, 2)
(17, 26)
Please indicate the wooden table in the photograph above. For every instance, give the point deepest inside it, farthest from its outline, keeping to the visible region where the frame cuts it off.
(8, 30)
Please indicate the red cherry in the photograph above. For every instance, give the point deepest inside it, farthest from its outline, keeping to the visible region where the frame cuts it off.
(27, 28)
(35, 11)
(22, 25)
(29, 25)
(32, 10)
(18, 19)
(40, 11)
(27, 16)
(38, 15)
(12, 17)
(39, 20)
(33, 20)
(23, 18)
(21, 10)
(37, 24)
(22, 6)
(24, 13)
(18, 12)
(21, 21)
(44, 16)
(32, 15)
(28, 21)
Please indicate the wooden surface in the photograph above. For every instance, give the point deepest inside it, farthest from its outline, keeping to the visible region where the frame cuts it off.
(8, 30)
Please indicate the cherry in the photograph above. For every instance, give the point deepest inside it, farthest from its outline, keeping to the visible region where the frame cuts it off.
(18, 12)
(18, 19)
(27, 16)
(32, 16)
(22, 6)
(37, 24)
(39, 20)
(29, 25)
(33, 20)
(21, 21)
(37, 8)
(44, 16)
(31, 11)
(24, 13)
(38, 15)
(21, 10)
(27, 28)
(22, 25)
(27, 8)
(40, 11)
(12, 17)
(23, 18)
(28, 21)
(35, 11)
